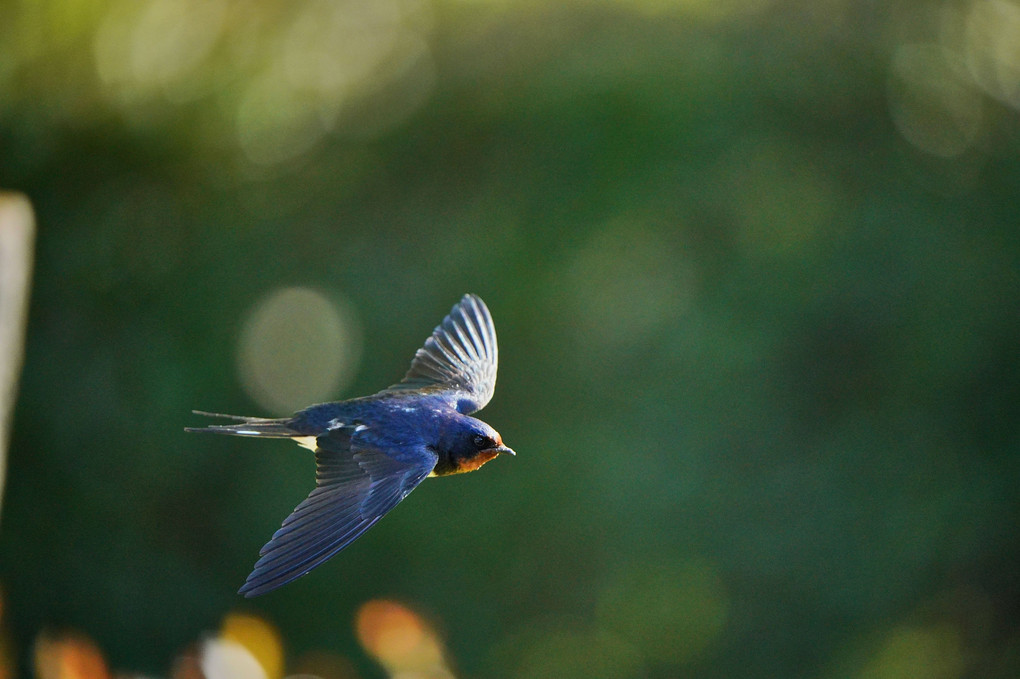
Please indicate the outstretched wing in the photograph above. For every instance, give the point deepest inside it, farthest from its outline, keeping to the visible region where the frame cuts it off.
(460, 357)
(355, 487)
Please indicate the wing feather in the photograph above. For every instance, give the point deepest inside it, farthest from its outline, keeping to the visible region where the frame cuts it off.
(460, 357)
(355, 488)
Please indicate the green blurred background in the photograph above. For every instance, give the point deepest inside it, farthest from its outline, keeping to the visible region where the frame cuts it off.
(755, 270)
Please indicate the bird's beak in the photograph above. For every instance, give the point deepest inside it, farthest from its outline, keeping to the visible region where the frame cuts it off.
(503, 449)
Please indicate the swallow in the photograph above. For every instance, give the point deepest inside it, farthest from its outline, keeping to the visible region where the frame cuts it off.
(370, 452)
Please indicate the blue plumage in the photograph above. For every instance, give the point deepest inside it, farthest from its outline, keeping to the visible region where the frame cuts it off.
(371, 452)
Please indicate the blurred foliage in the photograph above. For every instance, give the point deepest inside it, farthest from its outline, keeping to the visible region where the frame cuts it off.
(755, 269)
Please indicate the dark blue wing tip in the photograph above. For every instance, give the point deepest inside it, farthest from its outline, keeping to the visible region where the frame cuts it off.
(253, 587)
(249, 591)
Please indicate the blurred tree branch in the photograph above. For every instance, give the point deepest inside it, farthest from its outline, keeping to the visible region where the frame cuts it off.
(17, 229)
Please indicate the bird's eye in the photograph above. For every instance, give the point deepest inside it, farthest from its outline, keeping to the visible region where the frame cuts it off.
(481, 442)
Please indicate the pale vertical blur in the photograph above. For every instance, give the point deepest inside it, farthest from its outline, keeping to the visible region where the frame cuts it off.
(298, 346)
(17, 237)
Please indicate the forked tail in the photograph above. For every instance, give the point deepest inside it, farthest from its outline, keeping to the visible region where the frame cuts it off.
(249, 426)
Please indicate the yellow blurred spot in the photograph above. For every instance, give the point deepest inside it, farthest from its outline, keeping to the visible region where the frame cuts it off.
(933, 652)
(40, 27)
(284, 75)
(333, 45)
(931, 107)
(671, 612)
(298, 347)
(400, 640)
(260, 638)
(223, 659)
(156, 44)
(336, 55)
(992, 48)
(68, 657)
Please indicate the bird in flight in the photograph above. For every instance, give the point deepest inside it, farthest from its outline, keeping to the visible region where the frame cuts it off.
(370, 452)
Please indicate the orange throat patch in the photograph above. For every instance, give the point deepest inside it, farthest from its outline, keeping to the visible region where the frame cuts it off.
(471, 464)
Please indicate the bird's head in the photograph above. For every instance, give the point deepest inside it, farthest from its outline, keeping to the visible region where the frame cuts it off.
(466, 445)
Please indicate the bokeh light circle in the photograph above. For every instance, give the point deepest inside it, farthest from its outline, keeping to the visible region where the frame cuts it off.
(298, 347)
(400, 640)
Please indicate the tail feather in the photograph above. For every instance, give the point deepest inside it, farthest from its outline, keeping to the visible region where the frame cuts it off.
(250, 426)
(243, 418)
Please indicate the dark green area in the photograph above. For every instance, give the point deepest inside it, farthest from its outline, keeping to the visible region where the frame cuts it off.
(760, 354)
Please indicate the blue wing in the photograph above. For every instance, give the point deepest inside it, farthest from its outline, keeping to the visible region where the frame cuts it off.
(459, 358)
(355, 486)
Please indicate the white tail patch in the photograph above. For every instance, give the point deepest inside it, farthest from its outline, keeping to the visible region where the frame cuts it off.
(308, 442)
